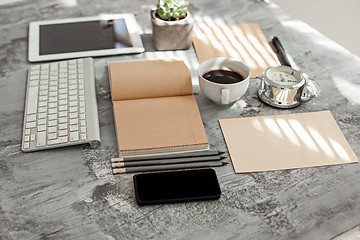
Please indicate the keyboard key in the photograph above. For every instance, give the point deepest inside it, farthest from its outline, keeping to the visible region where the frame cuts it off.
(34, 83)
(53, 88)
(73, 92)
(72, 87)
(30, 117)
(73, 103)
(83, 136)
(53, 94)
(53, 123)
(74, 121)
(72, 76)
(53, 110)
(43, 92)
(51, 136)
(59, 140)
(30, 125)
(44, 82)
(74, 136)
(53, 116)
(26, 145)
(41, 121)
(63, 102)
(41, 128)
(63, 108)
(63, 132)
(63, 96)
(73, 98)
(62, 91)
(52, 129)
(53, 105)
(63, 114)
(41, 139)
(42, 115)
(42, 98)
(63, 126)
(74, 128)
(73, 109)
(53, 83)
(31, 106)
(83, 129)
(42, 109)
(63, 120)
(32, 137)
(74, 115)
(27, 131)
(42, 103)
(27, 138)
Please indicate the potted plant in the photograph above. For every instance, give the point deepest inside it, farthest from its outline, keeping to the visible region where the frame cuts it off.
(172, 25)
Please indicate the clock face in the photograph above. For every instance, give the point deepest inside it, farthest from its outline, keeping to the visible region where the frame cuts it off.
(283, 76)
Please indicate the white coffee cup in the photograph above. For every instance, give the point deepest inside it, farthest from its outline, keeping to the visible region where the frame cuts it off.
(220, 93)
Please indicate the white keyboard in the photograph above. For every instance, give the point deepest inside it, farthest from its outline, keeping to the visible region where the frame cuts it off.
(60, 107)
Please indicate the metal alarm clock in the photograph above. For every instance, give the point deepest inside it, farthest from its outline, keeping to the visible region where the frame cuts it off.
(284, 86)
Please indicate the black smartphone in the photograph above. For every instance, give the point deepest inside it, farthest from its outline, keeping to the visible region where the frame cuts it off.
(176, 186)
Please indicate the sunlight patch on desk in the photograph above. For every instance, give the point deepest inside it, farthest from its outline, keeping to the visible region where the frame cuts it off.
(348, 89)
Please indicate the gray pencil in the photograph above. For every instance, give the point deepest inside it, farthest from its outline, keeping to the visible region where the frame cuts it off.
(165, 161)
(168, 167)
(166, 156)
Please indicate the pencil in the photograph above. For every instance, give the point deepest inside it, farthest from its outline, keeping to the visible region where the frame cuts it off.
(167, 156)
(168, 167)
(166, 161)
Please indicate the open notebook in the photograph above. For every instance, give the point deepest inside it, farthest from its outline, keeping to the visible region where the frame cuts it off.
(154, 109)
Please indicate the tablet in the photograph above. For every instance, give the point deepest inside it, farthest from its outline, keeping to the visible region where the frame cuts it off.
(84, 37)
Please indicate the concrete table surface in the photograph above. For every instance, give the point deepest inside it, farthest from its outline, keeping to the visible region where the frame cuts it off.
(70, 193)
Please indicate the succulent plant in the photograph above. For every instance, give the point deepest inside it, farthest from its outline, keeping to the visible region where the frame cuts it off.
(170, 10)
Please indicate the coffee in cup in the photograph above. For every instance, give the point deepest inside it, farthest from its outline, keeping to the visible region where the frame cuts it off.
(223, 80)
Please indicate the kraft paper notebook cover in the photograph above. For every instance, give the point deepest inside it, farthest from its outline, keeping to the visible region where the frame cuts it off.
(243, 41)
(154, 109)
(286, 141)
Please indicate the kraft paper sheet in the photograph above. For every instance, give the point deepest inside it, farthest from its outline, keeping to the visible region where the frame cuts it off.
(242, 41)
(288, 141)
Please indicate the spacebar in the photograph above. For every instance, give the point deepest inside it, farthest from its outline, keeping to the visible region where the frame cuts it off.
(32, 100)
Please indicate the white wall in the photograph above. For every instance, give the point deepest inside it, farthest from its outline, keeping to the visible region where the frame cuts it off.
(339, 20)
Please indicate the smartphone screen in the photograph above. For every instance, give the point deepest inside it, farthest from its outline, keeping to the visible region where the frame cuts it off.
(176, 186)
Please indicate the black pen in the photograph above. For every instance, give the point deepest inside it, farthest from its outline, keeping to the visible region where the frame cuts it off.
(167, 156)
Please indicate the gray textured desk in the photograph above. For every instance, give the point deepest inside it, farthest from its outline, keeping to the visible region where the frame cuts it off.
(70, 193)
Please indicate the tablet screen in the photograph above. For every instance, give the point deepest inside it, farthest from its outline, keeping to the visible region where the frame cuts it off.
(83, 36)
